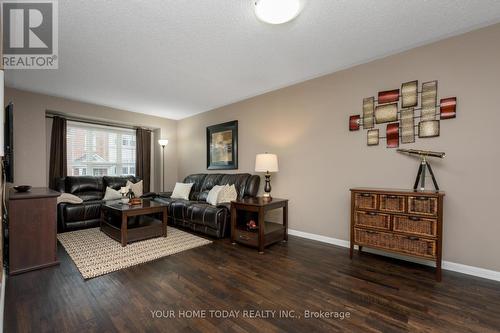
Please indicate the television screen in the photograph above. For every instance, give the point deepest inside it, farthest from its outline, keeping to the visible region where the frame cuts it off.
(9, 143)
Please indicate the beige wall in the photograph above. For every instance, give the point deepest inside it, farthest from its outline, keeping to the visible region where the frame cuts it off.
(32, 134)
(307, 126)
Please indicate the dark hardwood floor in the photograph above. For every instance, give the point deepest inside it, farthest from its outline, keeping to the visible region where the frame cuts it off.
(381, 294)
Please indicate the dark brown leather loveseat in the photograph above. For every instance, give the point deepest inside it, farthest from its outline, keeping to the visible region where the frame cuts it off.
(91, 190)
(196, 214)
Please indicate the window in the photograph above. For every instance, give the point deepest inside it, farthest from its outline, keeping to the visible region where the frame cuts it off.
(100, 150)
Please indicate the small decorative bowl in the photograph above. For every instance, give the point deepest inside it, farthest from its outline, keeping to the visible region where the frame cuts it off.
(22, 188)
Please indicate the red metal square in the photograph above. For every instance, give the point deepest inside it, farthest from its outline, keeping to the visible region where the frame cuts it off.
(388, 96)
(354, 122)
(448, 108)
(392, 135)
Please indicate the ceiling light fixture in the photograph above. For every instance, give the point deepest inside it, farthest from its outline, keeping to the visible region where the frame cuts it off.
(277, 11)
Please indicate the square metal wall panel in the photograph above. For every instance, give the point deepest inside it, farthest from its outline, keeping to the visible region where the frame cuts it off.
(386, 113)
(409, 94)
(368, 109)
(429, 100)
(372, 137)
(428, 129)
(407, 125)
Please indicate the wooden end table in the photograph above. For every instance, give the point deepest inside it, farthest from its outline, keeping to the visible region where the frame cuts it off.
(115, 222)
(266, 233)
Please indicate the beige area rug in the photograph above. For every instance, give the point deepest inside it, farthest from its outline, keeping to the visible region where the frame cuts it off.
(95, 254)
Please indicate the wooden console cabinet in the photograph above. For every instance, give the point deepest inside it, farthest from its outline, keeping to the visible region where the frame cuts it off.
(32, 229)
(402, 221)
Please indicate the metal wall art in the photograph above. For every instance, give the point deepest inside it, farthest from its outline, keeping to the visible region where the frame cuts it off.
(405, 117)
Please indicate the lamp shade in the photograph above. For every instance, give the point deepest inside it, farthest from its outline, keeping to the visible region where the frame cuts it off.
(266, 163)
(163, 142)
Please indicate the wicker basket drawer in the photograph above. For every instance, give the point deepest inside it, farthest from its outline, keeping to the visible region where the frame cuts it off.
(423, 205)
(392, 203)
(410, 245)
(415, 225)
(365, 200)
(372, 220)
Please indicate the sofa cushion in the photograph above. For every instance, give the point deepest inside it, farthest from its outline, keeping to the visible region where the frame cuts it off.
(209, 182)
(182, 191)
(78, 184)
(178, 208)
(84, 211)
(206, 214)
(69, 198)
(197, 181)
(136, 188)
(111, 194)
(239, 180)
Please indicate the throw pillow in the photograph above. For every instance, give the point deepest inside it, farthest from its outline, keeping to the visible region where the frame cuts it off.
(69, 198)
(213, 195)
(181, 191)
(136, 188)
(228, 194)
(111, 194)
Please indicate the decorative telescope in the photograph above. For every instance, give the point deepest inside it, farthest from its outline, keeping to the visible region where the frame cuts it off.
(424, 164)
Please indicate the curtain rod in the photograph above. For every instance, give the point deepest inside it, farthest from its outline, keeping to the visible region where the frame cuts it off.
(93, 122)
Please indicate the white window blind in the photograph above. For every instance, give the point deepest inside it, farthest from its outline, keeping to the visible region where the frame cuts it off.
(95, 150)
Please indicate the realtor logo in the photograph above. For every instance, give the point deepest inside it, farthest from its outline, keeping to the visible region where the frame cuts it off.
(30, 34)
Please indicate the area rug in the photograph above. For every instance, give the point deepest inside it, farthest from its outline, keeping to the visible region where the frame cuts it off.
(95, 254)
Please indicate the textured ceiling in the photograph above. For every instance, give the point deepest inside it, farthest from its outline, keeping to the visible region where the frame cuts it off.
(178, 58)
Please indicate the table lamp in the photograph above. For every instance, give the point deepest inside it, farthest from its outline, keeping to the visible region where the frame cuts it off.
(266, 163)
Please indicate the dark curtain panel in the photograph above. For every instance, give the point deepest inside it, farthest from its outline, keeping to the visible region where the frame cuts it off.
(58, 163)
(143, 158)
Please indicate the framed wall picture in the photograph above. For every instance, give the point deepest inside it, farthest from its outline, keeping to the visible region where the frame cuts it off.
(222, 146)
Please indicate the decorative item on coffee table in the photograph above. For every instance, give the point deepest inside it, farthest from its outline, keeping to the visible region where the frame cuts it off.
(402, 221)
(259, 233)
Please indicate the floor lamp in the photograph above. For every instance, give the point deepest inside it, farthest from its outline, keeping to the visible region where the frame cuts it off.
(163, 143)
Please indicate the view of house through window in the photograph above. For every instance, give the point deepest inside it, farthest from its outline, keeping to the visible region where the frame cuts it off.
(95, 150)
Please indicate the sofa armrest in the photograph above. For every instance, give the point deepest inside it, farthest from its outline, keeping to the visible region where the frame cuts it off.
(165, 194)
(61, 224)
(148, 195)
(226, 205)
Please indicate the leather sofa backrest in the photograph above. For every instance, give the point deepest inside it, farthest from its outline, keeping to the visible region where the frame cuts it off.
(252, 186)
(92, 188)
(86, 187)
(117, 182)
(197, 181)
(239, 180)
(210, 181)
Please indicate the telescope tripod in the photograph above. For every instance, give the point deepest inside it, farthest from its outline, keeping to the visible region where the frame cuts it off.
(421, 175)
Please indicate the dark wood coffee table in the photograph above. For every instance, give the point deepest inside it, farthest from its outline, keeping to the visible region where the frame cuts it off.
(143, 223)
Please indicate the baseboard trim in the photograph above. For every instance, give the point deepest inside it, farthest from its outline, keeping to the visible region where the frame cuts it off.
(2, 299)
(448, 265)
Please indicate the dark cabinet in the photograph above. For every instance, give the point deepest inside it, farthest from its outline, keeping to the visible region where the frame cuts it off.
(32, 230)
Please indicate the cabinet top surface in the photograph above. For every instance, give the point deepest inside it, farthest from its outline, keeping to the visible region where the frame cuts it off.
(396, 190)
(34, 193)
(259, 201)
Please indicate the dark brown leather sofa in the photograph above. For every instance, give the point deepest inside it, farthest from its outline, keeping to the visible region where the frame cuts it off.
(91, 190)
(196, 214)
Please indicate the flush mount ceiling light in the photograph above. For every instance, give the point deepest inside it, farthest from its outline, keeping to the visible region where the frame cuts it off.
(277, 11)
